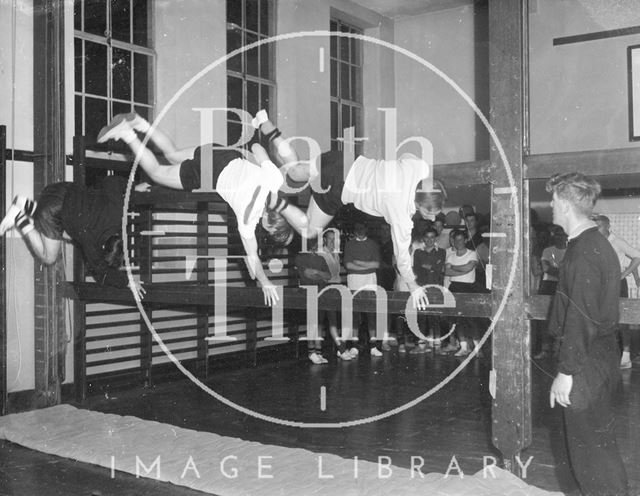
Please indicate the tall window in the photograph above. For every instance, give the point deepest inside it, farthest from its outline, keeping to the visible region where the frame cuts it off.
(250, 75)
(346, 84)
(113, 61)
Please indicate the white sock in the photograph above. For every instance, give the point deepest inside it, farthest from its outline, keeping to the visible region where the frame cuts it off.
(626, 356)
(463, 345)
(284, 148)
(141, 124)
(260, 118)
(128, 136)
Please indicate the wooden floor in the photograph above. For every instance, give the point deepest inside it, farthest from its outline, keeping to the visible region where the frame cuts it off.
(455, 421)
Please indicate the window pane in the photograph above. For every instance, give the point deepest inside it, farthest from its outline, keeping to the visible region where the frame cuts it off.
(120, 18)
(334, 46)
(95, 17)
(334, 78)
(140, 24)
(121, 74)
(344, 81)
(253, 97)
(77, 15)
(121, 108)
(141, 78)
(266, 97)
(334, 120)
(355, 51)
(356, 120)
(252, 15)
(143, 112)
(234, 132)
(265, 60)
(234, 41)
(77, 114)
(265, 25)
(344, 45)
(95, 116)
(77, 61)
(346, 119)
(234, 11)
(355, 85)
(95, 69)
(234, 95)
(252, 56)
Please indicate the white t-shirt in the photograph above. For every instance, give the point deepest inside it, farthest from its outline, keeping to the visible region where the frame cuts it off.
(454, 259)
(623, 249)
(554, 256)
(387, 188)
(245, 186)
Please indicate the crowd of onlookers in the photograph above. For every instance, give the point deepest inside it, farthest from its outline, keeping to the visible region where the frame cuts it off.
(548, 246)
(447, 250)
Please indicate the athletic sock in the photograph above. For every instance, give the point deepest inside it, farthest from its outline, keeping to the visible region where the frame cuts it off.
(260, 118)
(24, 223)
(27, 205)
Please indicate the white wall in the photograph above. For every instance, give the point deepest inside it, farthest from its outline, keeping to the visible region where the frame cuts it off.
(189, 36)
(427, 105)
(579, 95)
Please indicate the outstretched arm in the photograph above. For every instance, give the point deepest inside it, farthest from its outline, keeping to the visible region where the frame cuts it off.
(254, 264)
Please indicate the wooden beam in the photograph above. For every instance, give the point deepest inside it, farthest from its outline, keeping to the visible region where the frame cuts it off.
(463, 173)
(476, 305)
(593, 163)
(511, 408)
(3, 275)
(49, 167)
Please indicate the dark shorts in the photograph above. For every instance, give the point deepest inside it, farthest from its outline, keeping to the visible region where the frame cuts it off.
(48, 215)
(331, 178)
(220, 158)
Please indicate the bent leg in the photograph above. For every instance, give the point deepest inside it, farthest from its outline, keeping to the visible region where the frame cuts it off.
(164, 175)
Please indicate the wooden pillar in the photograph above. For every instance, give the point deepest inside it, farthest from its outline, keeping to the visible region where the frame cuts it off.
(511, 411)
(79, 306)
(49, 165)
(144, 256)
(3, 274)
(202, 315)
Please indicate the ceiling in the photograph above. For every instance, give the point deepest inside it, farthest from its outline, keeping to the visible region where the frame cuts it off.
(401, 8)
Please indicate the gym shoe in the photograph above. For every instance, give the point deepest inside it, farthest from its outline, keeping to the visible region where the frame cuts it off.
(402, 348)
(462, 352)
(345, 355)
(626, 364)
(121, 126)
(9, 220)
(315, 358)
(323, 359)
(375, 352)
(260, 118)
(354, 352)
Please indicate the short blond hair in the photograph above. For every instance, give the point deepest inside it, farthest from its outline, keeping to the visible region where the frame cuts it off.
(579, 190)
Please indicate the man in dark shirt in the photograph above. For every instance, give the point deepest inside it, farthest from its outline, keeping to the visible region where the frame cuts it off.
(584, 318)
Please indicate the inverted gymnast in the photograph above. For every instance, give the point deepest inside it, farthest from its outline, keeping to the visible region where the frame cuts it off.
(251, 190)
(389, 189)
(92, 217)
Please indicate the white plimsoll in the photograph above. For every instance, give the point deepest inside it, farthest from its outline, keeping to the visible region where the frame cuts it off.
(260, 118)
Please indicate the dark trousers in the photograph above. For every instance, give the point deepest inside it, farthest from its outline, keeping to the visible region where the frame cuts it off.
(593, 451)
